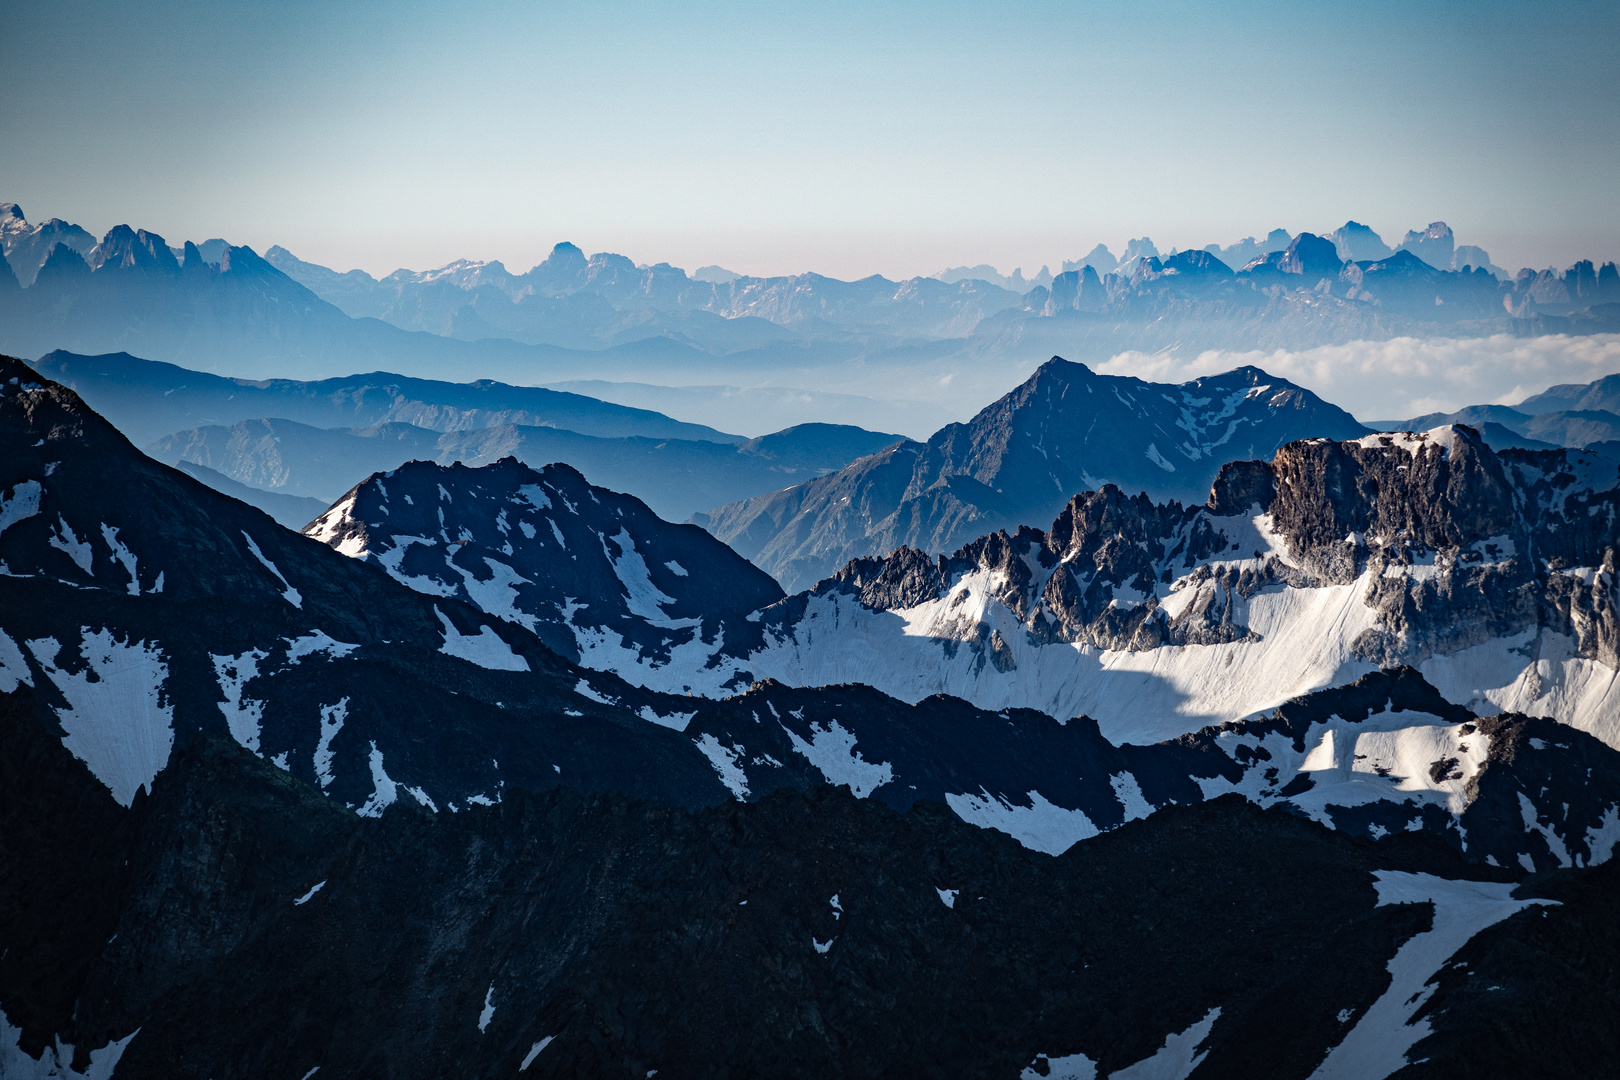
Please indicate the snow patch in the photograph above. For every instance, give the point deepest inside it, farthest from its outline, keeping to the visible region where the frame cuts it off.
(56, 1063)
(383, 789)
(676, 568)
(1177, 1058)
(313, 644)
(243, 717)
(13, 668)
(489, 1009)
(22, 503)
(727, 761)
(288, 593)
(675, 721)
(392, 559)
(332, 717)
(1129, 794)
(485, 648)
(63, 538)
(307, 897)
(534, 1052)
(1377, 1045)
(583, 689)
(1532, 823)
(1158, 459)
(948, 896)
(122, 555)
(1601, 838)
(1072, 1067)
(117, 725)
(831, 749)
(1041, 826)
(641, 596)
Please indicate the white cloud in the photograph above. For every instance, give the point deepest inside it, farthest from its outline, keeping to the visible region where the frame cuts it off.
(1402, 377)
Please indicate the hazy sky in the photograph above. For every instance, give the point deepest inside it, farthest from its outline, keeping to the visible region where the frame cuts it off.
(845, 138)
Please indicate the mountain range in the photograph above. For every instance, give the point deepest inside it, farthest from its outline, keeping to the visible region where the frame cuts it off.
(427, 722)
(276, 803)
(224, 308)
(1066, 429)
(1570, 414)
(289, 447)
(1491, 573)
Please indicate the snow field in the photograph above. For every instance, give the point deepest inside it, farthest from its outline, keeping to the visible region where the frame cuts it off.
(119, 724)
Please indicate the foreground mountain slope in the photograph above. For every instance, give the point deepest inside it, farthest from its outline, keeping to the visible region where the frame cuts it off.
(1019, 460)
(256, 929)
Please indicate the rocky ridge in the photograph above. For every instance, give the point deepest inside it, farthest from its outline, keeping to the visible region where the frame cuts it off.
(1493, 572)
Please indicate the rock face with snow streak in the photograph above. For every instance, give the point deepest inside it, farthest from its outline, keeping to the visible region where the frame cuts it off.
(1492, 572)
(596, 574)
(1020, 459)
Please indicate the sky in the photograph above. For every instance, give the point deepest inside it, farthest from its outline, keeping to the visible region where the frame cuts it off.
(848, 139)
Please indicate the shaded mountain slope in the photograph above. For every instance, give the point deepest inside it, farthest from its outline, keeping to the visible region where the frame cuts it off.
(677, 477)
(147, 399)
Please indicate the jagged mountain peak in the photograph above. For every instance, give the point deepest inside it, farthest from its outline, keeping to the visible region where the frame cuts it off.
(1356, 242)
(124, 248)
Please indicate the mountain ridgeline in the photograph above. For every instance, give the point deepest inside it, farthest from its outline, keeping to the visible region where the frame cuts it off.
(1065, 430)
(282, 444)
(225, 307)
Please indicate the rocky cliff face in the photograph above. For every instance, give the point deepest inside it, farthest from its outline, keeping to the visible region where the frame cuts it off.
(1492, 572)
(1456, 545)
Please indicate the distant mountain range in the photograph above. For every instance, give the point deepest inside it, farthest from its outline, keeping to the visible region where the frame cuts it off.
(675, 476)
(223, 308)
(1435, 245)
(590, 303)
(1063, 431)
(1570, 414)
(148, 399)
(344, 429)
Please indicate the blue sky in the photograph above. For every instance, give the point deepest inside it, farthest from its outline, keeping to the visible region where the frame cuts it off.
(845, 138)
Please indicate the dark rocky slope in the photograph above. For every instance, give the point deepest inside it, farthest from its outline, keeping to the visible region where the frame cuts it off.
(801, 936)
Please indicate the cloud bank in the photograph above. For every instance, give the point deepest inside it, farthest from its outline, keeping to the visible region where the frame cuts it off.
(1404, 377)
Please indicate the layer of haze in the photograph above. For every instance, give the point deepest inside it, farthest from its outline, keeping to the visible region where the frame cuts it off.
(845, 138)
